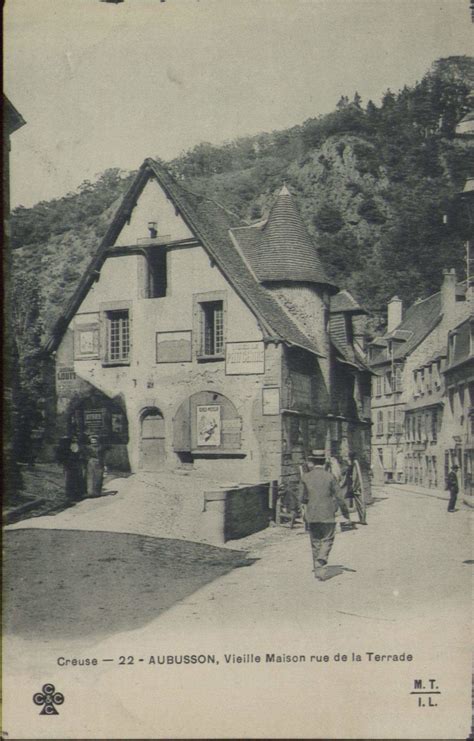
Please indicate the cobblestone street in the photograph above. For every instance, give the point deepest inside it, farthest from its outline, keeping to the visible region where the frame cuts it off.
(403, 587)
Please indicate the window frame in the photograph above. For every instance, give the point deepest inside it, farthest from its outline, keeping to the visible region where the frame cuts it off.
(105, 311)
(200, 300)
(380, 422)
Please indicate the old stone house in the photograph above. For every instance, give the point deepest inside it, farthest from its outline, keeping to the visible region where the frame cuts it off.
(413, 411)
(197, 340)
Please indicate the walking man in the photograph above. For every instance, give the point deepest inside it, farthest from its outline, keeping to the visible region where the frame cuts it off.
(453, 487)
(321, 497)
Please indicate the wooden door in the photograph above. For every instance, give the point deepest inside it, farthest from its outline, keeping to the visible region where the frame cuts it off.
(152, 443)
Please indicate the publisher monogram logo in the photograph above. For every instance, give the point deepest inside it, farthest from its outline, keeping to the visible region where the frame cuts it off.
(49, 698)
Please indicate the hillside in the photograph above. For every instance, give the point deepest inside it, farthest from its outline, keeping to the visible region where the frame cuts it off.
(372, 183)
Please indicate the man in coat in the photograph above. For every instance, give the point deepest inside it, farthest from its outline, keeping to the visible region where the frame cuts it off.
(321, 498)
(453, 487)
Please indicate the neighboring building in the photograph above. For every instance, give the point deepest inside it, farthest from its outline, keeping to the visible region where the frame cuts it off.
(459, 407)
(412, 425)
(196, 340)
(12, 121)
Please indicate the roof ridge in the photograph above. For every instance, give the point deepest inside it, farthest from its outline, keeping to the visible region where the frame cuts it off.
(197, 195)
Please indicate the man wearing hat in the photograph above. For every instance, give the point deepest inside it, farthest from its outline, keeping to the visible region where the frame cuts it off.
(321, 497)
(453, 487)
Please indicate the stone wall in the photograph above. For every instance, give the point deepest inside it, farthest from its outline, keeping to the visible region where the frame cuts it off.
(143, 383)
(235, 513)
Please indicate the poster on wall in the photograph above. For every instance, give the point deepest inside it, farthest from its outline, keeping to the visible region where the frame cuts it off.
(208, 425)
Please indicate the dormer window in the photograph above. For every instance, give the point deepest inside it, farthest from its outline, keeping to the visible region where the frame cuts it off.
(429, 378)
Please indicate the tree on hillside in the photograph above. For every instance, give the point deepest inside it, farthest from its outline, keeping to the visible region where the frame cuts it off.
(26, 332)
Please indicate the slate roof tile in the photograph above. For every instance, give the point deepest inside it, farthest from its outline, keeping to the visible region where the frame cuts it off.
(281, 249)
(345, 302)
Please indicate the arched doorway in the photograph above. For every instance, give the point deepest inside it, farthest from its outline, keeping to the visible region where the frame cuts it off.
(152, 440)
(97, 414)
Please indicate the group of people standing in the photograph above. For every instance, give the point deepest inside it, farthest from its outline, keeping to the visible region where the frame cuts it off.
(83, 462)
(327, 486)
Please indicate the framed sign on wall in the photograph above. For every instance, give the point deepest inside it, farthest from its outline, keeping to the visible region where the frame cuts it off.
(86, 341)
(244, 358)
(174, 347)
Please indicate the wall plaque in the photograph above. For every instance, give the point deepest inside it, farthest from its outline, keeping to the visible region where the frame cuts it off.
(244, 358)
(271, 400)
(174, 347)
(86, 341)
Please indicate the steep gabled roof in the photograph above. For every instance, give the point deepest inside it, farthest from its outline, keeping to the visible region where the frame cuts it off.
(462, 352)
(344, 302)
(418, 322)
(349, 355)
(211, 224)
(281, 249)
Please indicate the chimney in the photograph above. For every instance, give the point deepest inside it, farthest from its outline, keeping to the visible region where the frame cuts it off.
(448, 294)
(394, 313)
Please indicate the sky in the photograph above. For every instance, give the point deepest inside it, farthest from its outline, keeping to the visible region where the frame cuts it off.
(103, 85)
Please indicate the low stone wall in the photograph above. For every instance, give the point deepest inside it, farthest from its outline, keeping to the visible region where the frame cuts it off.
(234, 513)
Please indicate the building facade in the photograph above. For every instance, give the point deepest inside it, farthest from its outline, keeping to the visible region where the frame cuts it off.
(417, 409)
(197, 340)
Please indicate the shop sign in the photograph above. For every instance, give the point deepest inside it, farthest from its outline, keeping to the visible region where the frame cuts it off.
(244, 358)
(208, 425)
(65, 375)
(93, 420)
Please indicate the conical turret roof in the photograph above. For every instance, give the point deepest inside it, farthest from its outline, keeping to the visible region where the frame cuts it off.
(282, 249)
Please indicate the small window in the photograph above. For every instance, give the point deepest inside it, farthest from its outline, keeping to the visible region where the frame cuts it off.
(388, 383)
(157, 273)
(434, 426)
(452, 348)
(379, 423)
(390, 424)
(418, 429)
(118, 336)
(212, 328)
(397, 380)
